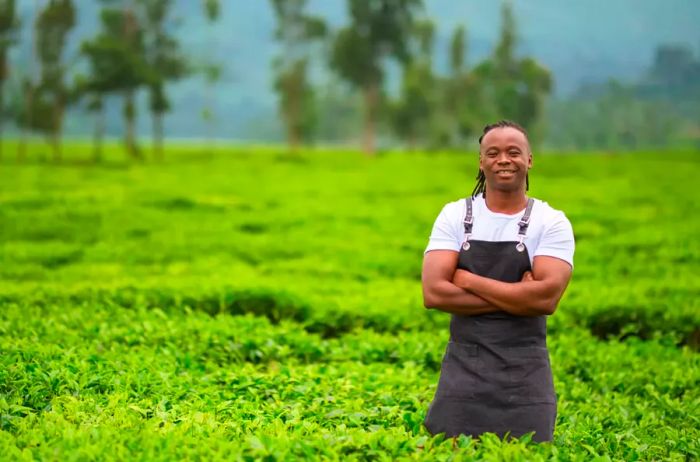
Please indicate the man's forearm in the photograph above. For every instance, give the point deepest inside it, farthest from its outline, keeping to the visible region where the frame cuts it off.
(447, 297)
(526, 298)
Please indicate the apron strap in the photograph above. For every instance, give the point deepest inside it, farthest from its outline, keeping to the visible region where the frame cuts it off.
(468, 217)
(468, 222)
(523, 225)
(525, 220)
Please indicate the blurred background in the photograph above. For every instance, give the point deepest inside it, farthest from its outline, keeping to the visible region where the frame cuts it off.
(407, 74)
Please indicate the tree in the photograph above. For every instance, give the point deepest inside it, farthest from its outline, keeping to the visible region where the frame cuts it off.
(295, 31)
(211, 71)
(412, 114)
(378, 30)
(612, 116)
(118, 64)
(9, 24)
(52, 95)
(515, 88)
(212, 9)
(674, 77)
(89, 87)
(674, 69)
(165, 60)
(339, 109)
(24, 103)
(463, 101)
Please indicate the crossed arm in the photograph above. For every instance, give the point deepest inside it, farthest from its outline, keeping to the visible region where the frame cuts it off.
(460, 292)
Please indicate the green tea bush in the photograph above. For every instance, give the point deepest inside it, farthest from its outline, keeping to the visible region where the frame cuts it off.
(251, 305)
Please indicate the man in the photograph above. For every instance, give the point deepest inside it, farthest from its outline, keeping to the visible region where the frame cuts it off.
(499, 262)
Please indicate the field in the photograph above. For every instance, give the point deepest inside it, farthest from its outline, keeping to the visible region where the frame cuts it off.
(251, 304)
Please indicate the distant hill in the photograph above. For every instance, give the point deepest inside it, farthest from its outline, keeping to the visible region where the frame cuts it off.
(581, 42)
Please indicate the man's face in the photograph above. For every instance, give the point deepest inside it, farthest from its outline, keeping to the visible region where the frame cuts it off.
(505, 158)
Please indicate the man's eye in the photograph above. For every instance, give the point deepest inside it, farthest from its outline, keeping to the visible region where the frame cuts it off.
(514, 153)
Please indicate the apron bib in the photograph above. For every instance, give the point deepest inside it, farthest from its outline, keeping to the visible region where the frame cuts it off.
(496, 374)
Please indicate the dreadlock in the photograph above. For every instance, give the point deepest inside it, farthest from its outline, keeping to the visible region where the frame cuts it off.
(480, 187)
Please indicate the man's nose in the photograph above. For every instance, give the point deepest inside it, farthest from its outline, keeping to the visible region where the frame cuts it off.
(503, 158)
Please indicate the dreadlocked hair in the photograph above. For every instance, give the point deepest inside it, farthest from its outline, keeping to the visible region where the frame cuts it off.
(480, 187)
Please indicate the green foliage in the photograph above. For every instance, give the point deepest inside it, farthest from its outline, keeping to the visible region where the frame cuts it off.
(166, 61)
(458, 49)
(413, 113)
(445, 111)
(614, 119)
(340, 112)
(118, 64)
(296, 102)
(675, 74)
(250, 304)
(660, 109)
(8, 28)
(296, 31)
(51, 95)
(116, 54)
(212, 9)
(378, 31)
(513, 88)
(461, 107)
(210, 70)
(162, 51)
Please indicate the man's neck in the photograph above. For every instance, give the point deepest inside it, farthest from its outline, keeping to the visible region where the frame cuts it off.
(508, 202)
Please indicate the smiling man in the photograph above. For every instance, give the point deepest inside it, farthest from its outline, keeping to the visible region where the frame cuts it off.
(499, 262)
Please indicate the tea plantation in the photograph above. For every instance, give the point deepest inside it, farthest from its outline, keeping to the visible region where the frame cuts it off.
(248, 304)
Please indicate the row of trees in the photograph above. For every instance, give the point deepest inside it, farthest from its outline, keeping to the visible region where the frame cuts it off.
(662, 108)
(137, 49)
(430, 109)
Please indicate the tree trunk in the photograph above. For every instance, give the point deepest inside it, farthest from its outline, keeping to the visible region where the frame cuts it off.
(412, 142)
(29, 94)
(57, 123)
(56, 147)
(2, 119)
(209, 113)
(158, 135)
(97, 136)
(3, 77)
(294, 141)
(371, 95)
(129, 121)
(293, 123)
(22, 147)
(24, 131)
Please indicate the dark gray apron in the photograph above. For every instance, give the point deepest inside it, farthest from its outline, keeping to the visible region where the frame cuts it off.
(495, 375)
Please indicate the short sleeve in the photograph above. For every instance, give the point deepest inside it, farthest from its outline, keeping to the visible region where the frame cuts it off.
(558, 240)
(446, 233)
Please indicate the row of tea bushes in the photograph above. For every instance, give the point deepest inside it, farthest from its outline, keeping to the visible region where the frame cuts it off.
(86, 371)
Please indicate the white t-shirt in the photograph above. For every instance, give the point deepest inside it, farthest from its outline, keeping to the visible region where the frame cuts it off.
(549, 233)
